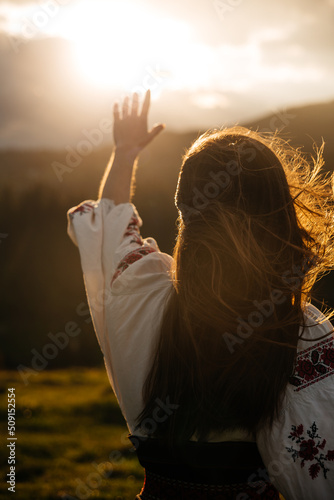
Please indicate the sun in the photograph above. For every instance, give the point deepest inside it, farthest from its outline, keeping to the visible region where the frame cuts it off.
(118, 43)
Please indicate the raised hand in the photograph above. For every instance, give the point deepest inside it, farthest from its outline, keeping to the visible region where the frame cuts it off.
(130, 126)
(131, 136)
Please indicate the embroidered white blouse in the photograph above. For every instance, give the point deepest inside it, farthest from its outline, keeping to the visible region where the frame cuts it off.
(127, 282)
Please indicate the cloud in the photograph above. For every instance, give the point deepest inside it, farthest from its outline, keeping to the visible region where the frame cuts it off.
(262, 56)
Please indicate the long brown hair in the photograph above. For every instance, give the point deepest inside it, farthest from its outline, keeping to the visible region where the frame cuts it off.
(256, 226)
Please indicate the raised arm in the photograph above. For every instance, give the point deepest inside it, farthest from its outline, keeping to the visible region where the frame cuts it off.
(131, 135)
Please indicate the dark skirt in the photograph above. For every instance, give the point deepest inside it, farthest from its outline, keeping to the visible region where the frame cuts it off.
(202, 471)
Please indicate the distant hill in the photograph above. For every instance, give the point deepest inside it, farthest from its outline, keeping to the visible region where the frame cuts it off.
(304, 126)
(21, 170)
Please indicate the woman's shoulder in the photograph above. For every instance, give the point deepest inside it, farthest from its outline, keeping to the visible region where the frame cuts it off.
(299, 448)
(316, 323)
(143, 269)
(315, 350)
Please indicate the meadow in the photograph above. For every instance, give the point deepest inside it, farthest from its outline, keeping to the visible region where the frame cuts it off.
(71, 438)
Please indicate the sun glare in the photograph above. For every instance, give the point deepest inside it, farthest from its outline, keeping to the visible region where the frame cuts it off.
(116, 43)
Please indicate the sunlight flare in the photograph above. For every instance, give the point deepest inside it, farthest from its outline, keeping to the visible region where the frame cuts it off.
(115, 42)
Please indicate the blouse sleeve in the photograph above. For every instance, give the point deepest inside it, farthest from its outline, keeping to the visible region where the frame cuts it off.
(298, 450)
(109, 241)
(127, 280)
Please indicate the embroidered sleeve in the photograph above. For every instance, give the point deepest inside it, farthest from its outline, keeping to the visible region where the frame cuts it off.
(314, 364)
(129, 259)
(109, 240)
(133, 247)
(84, 208)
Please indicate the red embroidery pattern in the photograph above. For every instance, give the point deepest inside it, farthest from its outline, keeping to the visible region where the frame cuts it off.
(311, 449)
(130, 258)
(82, 209)
(132, 230)
(314, 364)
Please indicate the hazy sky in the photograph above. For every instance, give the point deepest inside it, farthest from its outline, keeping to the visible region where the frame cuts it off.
(208, 63)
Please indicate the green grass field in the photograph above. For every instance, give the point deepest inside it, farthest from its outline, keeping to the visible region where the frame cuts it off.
(71, 438)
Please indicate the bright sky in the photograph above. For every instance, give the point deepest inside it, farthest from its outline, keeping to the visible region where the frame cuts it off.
(207, 63)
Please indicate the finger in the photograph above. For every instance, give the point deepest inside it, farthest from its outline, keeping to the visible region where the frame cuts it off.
(155, 131)
(152, 134)
(146, 104)
(116, 112)
(135, 102)
(125, 107)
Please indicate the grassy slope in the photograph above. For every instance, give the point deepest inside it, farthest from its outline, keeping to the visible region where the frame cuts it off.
(71, 438)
